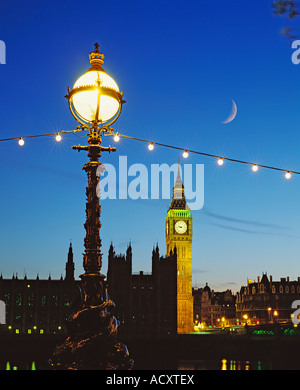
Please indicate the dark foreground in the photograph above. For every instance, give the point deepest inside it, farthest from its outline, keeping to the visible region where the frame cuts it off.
(266, 349)
(271, 351)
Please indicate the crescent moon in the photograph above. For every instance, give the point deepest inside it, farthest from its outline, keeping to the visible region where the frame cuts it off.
(232, 114)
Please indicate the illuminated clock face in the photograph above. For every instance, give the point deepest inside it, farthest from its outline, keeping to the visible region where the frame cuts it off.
(180, 227)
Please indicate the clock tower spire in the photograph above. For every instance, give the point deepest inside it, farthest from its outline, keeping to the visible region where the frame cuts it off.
(179, 236)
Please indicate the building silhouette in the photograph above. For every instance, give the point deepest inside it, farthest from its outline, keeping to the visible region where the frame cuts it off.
(39, 306)
(145, 303)
(265, 300)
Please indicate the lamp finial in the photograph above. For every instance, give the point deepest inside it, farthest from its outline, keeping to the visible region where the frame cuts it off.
(96, 58)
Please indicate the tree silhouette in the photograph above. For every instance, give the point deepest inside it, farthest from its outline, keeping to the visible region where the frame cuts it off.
(288, 9)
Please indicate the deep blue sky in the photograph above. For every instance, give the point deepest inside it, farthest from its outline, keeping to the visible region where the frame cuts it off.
(179, 65)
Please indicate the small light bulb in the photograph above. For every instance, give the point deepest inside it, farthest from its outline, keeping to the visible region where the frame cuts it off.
(288, 175)
(21, 142)
(220, 161)
(151, 146)
(58, 138)
(116, 138)
(185, 154)
(254, 168)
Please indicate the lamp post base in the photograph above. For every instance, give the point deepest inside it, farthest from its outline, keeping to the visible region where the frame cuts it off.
(92, 343)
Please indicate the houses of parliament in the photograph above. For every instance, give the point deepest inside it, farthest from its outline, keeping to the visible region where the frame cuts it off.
(151, 305)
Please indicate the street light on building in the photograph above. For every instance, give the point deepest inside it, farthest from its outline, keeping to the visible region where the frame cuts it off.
(96, 103)
(269, 314)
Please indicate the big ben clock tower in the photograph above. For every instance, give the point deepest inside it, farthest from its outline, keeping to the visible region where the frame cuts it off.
(179, 235)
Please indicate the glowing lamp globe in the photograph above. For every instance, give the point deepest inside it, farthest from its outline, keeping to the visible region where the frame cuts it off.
(95, 96)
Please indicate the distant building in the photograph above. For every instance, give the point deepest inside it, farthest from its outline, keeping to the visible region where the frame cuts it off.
(265, 300)
(38, 306)
(145, 303)
(214, 308)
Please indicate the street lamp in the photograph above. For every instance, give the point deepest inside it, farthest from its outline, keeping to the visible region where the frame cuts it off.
(96, 103)
(95, 98)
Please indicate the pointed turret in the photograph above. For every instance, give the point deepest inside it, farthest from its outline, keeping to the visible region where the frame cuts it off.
(129, 257)
(111, 251)
(178, 199)
(70, 266)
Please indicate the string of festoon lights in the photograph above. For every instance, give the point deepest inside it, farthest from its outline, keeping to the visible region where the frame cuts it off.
(151, 145)
(220, 159)
(58, 136)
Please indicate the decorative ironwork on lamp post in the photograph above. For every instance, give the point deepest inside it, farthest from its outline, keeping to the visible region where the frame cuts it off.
(96, 103)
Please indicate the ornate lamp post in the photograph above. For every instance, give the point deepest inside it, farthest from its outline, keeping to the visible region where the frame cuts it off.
(96, 102)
